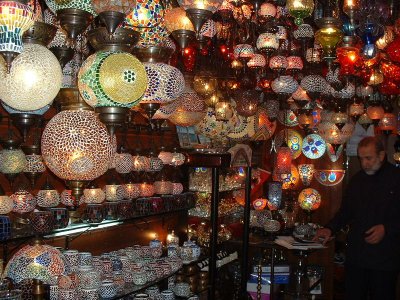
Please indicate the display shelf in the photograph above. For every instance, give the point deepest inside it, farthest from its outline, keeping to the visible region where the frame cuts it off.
(221, 190)
(86, 227)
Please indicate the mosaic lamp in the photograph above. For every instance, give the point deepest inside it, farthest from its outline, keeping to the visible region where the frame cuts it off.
(283, 160)
(113, 12)
(15, 19)
(26, 86)
(131, 187)
(387, 124)
(77, 148)
(300, 9)
(274, 195)
(40, 262)
(112, 189)
(146, 186)
(47, 196)
(375, 112)
(247, 102)
(163, 184)
(328, 36)
(112, 82)
(306, 172)
(309, 200)
(93, 194)
(12, 159)
(23, 201)
(123, 163)
(199, 11)
(180, 26)
(6, 203)
(35, 165)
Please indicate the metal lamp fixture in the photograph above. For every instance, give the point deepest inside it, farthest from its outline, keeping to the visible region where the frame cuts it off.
(300, 9)
(328, 36)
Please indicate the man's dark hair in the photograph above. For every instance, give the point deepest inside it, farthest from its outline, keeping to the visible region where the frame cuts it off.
(372, 140)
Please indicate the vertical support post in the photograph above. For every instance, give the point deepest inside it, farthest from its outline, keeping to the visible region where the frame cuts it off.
(272, 277)
(212, 266)
(245, 238)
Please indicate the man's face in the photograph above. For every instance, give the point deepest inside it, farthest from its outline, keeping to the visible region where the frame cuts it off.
(370, 160)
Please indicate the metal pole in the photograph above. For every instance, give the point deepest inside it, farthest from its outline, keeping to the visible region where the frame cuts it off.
(245, 238)
(212, 267)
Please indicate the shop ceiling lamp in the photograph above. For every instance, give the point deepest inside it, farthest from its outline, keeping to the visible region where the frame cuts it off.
(350, 8)
(387, 124)
(35, 165)
(76, 148)
(199, 11)
(300, 9)
(47, 196)
(328, 36)
(306, 172)
(12, 159)
(15, 19)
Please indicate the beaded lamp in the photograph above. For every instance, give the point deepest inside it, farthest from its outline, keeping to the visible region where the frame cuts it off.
(278, 63)
(23, 201)
(284, 85)
(26, 87)
(131, 188)
(15, 19)
(243, 51)
(12, 160)
(140, 163)
(314, 85)
(294, 63)
(123, 163)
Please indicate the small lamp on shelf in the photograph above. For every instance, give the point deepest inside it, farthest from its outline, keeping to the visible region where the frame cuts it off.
(309, 200)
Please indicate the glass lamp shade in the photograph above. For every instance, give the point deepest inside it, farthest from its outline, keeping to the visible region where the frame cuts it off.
(364, 121)
(112, 79)
(223, 111)
(348, 57)
(178, 159)
(176, 19)
(113, 192)
(210, 5)
(208, 29)
(166, 83)
(284, 85)
(155, 164)
(267, 10)
(27, 87)
(163, 187)
(177, 188)
(303, 32)
(243, 51)
(146, 189)
(364, 91)
(123, 163)
(305, 120)
(247, 102)
(145, 14)
(301, 97)
(272, 107)
(328, 37)
(23, 202)
(39, 112)
(12, 161)
(375, 112)
(283, 160)
(339, 118)
(314, 84)
(356, 110)
(48, 198)
(131, 190)
(267, 42)
(34, 164)
(306, 172)
(300, 9)
(76, 146)
(375, 78)
(140, 163)
(42, 262)
(388, 123)
(123, 6)
(205, 85)
(257, 61)
(333, 135)
(6, 204)
(278, 63)
(15, 19)
(313, 55)
(186, 118)
(94, 195)
(309, 199)
(166, 157)
(294, 63)
(274, 195)
(289, 180)
(85, 5)
(153, 36)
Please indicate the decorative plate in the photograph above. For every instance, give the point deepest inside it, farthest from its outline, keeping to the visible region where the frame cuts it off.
(332, 154)
(244, 130)
(293, 139)
(329, 177)
(313, 146)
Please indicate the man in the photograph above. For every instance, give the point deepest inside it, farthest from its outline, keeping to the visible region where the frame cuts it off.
(371, 207)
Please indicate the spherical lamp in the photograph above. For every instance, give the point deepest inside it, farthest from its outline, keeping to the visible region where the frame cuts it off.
(23, 201)
(300, 9)
(48, 196)
(309, 199)
(6, 203)
(145, 14)
(27, 86)
(93, 194)
(12, 159)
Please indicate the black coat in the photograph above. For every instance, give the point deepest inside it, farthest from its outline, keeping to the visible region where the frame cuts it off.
(371, 200)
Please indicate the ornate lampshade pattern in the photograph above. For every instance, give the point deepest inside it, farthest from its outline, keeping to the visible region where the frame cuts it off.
(12, 161)
(40, 262)
(85, 5)
(34, 164)
(48, 198)
(27, 87)
(76, 146)
(131, 191)
(123, 6)
(94, 195)
(329, 177)
(313, 146)
(309, 199)
(306, 172)
(123, 163)
(264, 128)
(112, 79)
(210, 5)
(6, 204)
(15, 19)
(145, 14)
(23, 202)
(274, 195)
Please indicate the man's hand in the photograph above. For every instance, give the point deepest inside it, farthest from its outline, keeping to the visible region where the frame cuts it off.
(324, 234)
(375, 234)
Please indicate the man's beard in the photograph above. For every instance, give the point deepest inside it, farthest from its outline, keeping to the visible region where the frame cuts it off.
(374, 169)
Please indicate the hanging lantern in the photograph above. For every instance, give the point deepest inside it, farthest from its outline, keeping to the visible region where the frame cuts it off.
(267, 43)
(314, 85)
(131, 188)
(309, 199)
(283, 160)
(300, 9)
(15, 19)
(375, 113)
(294, 64)
(146, 187)
(356, 110)
(6, 203)
(123, 163)
(306, 172)
(12, 159)
(257, 61)
(284, 85)
(23, 202)
(48, 196)
(387, 123)
(179, 25)
(274, 195)
(364, 120)
(329, 36)
(278, 63)
(93, 194)
(247, 102)
(243, 52)
(205, 84)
